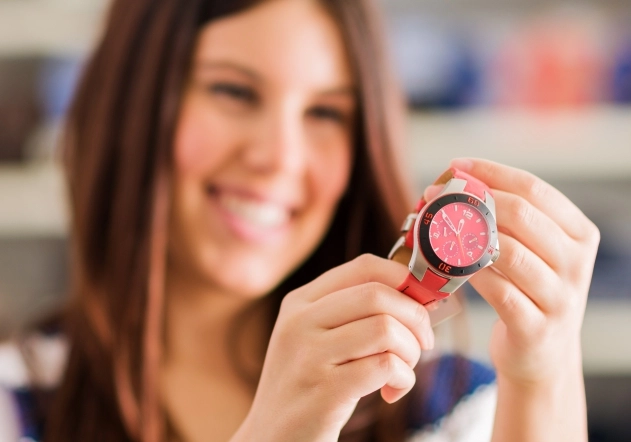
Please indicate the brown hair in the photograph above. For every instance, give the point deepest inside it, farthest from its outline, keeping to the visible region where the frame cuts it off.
(118, 158)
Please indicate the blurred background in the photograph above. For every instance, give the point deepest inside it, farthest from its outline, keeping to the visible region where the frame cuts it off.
(543, 85)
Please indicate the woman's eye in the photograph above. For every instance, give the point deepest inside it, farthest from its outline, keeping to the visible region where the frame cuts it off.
(329, 113)
(233, 90)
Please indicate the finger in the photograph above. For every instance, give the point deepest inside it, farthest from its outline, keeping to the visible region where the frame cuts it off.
(532, 228)
(348, 305)
(361, 377)
(370, 336)
(431, 191)
(528, 272)
(391, 395)
(513, 307)
(539, 193)
(363, 269)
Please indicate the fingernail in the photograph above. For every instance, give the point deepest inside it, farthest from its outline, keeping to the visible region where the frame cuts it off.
(431, 340)
(432, 306)
(431, 191)
(463, 164)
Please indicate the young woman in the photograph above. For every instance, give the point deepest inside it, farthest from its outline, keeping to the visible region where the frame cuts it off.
(235, 184)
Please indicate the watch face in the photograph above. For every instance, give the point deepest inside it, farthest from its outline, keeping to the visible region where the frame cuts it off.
(455, 234)
(459, 234)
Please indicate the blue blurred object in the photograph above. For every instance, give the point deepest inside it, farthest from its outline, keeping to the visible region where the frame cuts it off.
(437, 67)
(34, 91)
(622, 74)
(57, 81)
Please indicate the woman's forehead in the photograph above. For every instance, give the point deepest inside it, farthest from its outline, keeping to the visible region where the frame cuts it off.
(294, 42)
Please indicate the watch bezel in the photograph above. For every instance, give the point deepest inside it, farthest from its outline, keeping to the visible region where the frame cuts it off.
(424, 242)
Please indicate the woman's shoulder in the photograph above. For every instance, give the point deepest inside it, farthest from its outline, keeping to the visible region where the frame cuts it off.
(27, 369)
(457, 403)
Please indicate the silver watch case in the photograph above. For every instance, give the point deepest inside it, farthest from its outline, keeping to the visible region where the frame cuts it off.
(419, 264)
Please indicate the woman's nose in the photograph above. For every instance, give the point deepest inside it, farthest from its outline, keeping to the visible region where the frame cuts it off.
(277, 144)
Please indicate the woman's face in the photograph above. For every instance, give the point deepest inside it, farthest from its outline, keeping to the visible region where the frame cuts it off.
(262, 148)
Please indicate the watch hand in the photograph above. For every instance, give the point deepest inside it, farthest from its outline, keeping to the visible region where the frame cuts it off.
(460, 242)
(460, 225)
(448, 221)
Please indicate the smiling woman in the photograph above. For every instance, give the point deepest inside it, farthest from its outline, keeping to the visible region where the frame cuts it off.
(234, 179)
(220, 154)
(263, 146)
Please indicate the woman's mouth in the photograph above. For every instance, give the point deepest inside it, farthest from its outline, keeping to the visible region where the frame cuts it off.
(262, 214)
(249, 217)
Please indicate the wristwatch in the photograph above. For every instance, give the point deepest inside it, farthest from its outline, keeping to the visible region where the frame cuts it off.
(448, 239)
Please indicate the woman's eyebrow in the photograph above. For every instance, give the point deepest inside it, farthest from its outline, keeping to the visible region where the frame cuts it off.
(208, 64)
(342, 90)
(225, 64)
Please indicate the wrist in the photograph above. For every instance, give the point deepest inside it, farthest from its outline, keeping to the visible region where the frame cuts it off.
(540, 367)
(547, 408)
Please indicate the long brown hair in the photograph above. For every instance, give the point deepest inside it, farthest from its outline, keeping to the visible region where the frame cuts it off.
(118, 161)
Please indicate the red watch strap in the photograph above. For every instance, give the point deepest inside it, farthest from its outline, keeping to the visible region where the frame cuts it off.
(474, 186)
(426, 291)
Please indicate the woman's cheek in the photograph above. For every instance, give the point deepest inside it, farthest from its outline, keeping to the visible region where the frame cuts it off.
(335, 169)
(201, 139)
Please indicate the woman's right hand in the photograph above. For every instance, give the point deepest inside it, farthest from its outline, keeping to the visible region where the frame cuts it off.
(341, 337)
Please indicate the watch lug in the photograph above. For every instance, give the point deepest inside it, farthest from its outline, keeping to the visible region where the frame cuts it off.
(490, 203)
(453, 284)
(496, 254)
(494, 258)
(418, 263)
(455, 185)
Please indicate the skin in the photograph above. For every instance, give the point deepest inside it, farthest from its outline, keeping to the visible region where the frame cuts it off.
(348, 332)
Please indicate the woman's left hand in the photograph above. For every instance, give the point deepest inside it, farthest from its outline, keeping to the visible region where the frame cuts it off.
(540, 282)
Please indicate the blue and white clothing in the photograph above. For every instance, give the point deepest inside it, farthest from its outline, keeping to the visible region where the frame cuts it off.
(48, 356)
(438, 420)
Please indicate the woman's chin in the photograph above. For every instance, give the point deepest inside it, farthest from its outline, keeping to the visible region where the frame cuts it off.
(247, 281)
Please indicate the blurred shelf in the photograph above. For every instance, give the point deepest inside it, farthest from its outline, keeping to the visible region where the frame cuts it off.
(604, 336)
(32, 201)
(590, 143)
(33, 27)
(459, 5)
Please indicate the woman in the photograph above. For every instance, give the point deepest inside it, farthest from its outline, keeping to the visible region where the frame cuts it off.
(234, 182)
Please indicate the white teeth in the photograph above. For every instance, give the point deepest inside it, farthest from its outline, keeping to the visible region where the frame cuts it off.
(263, 214)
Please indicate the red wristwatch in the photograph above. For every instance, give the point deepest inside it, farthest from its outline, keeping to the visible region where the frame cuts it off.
(448, 239)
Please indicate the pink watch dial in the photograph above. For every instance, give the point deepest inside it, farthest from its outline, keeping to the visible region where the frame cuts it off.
(459, 234)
